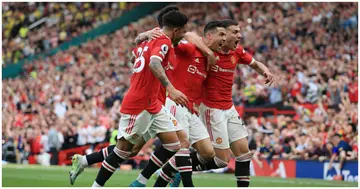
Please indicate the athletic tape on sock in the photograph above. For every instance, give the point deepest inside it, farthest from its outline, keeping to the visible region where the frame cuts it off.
(244, 157)
(220, 163)
(172, 147)
(121, 154)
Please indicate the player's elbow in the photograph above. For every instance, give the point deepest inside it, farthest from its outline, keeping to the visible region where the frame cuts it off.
(254, 64)
(154, 63)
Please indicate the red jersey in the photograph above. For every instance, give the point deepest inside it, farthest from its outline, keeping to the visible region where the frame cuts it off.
(144, 86)
(190, 70)
(218, 85)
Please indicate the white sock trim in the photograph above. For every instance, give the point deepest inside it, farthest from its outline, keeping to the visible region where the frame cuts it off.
(95, 184)
(172, 147)
(142, 179)
(84, 162)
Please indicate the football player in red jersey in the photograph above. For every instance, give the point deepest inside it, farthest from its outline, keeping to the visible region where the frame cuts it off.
(182, 158)
(142, 113)
(188, 76)
(79, 162)
(225, 127)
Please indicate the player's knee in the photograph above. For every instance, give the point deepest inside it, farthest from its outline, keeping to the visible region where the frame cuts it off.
(124, 145)
(172, 147)
(222, 154)
(240, 147)
(134, 152)
(207, 153)
(185, 143)
(244, 146)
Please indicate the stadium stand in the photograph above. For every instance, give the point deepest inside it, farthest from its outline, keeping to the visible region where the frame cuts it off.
(33, 27)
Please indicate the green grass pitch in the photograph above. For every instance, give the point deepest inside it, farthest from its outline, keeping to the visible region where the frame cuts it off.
(37, 176)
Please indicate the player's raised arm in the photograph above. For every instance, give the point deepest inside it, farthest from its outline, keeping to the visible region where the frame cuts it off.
(195, 39)
(246, 58)
(151, 34)
(263, 70)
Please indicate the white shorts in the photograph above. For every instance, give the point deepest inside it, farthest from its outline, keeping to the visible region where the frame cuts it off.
(146, 125)
(224, 126)
(189, 122)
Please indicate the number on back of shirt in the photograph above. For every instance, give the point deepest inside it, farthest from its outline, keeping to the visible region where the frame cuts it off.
(140, 60)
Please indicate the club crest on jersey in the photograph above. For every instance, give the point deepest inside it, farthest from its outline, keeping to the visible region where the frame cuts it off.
(134, 136)
(219, 140)
(174, 122)
(233, 60)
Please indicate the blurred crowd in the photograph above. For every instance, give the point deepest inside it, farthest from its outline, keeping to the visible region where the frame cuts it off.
(310, 47)
(29, 28)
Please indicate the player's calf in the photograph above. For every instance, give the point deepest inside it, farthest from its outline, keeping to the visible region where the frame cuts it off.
(157, 159)
(198, 164)
(120, 153)
(183, 165)
(99, 156)
(242, 170)
(79, 162)
(167, 172)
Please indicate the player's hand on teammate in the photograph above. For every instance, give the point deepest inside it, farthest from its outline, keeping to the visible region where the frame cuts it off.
(269, 78)
(178, 97)
(211, 60)
(154, 33)
(195, 109)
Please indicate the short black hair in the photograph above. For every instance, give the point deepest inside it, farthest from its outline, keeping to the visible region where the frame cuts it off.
(175, 19)
(212, 25)
(228, 22)
(337, 135)
(164, 11)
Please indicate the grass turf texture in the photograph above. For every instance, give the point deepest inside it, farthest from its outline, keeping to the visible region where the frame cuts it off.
(37, 176)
